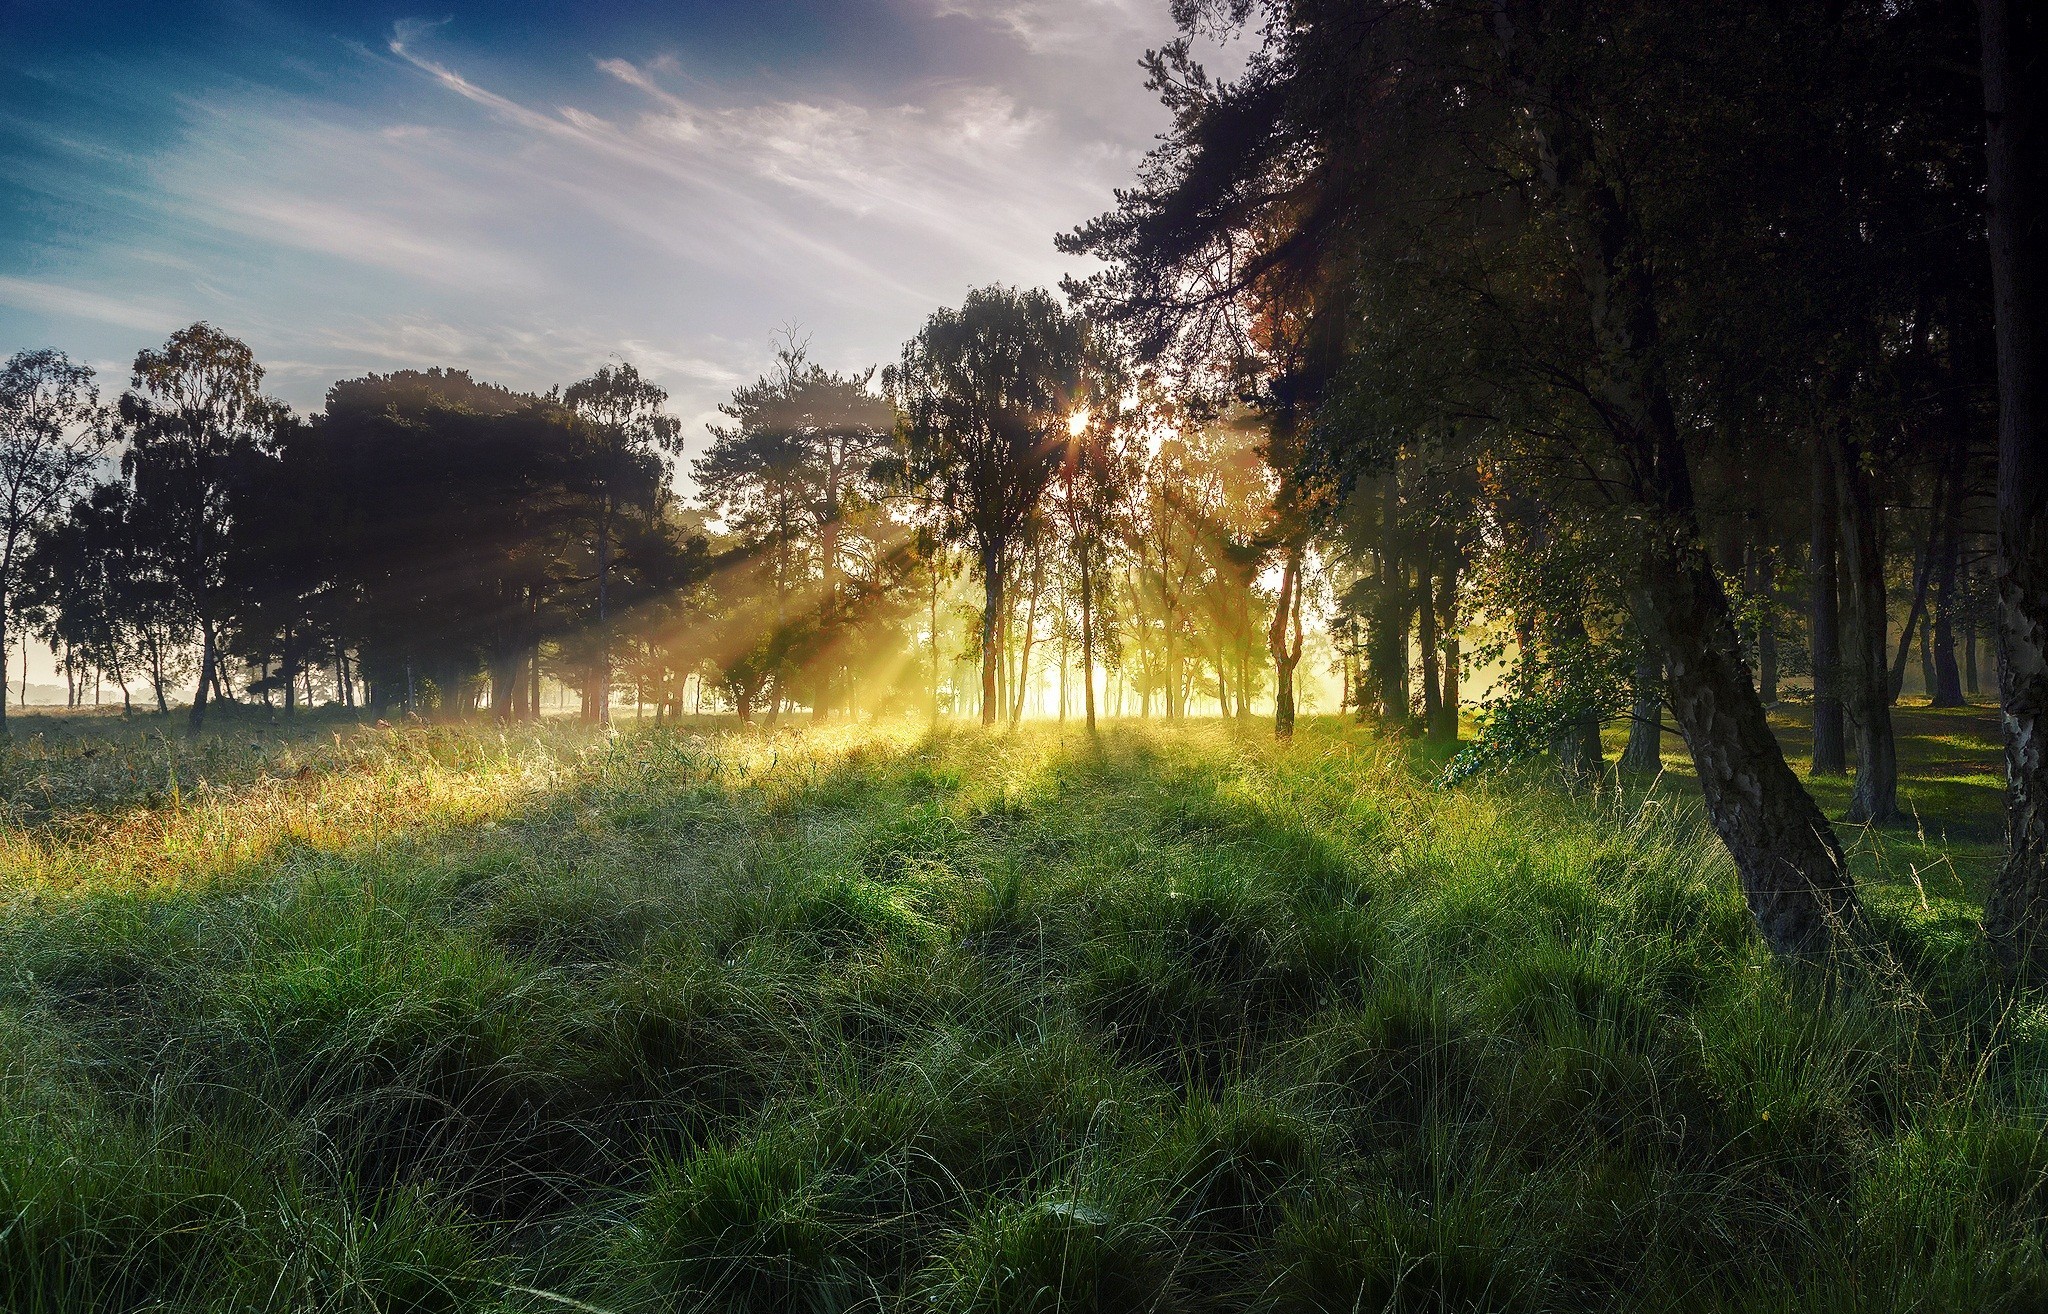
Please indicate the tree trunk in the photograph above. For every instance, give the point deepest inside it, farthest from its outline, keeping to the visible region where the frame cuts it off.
(206, 662)
(1066, 660)
(1426, 640)
(1447, 626)
(2015, 49)
(505, 691)
(156, 672)
(828, 558)
(1286, 609)
(933, 601)
(1387, 641)
(1088, 640)
(1830, 745)
(1916, 614)
(1023, 684)
(603, 673)
(1644, 753)
(1945, 688)
(1791, 869)
(991, 609)
(1577, 743)
(1970, 689)
(1866, 683)
(1927, 675)
(288, 670)
(1793, 873)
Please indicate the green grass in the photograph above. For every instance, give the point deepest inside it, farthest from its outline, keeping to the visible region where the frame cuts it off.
(1951, 788)
(425, 1018)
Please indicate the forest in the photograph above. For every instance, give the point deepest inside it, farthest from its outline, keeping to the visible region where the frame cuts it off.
(1460, 723)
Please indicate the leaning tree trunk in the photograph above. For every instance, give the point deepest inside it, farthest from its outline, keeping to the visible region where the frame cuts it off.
(1916, 614)
(1792, 869)
(2015, 47)
(1788, 861)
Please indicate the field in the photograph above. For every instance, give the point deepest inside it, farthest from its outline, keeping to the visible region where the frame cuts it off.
(351, 1018)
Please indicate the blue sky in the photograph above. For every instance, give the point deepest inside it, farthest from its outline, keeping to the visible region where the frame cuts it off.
(529, 189)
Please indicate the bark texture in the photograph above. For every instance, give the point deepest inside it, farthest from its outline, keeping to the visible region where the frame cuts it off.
(2015, 49)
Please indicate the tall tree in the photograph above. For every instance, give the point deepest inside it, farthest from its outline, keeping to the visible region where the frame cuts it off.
(629, 429)
(51, 438)
(196, 420)
(2015, 64)
(1097, 473)
(985, 392)
(794, 478)
(1549, 134)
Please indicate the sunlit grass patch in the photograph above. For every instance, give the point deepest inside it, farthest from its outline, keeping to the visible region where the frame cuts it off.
(855, 1018)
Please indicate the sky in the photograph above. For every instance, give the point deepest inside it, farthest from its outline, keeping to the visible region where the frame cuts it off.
(527, 190)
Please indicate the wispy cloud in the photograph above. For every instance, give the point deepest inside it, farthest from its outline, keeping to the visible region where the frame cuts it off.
(639, 206)
(1056, 26)
(77, 303)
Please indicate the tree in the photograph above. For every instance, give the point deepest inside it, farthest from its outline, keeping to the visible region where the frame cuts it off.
(1535, 176)
(628, 427)
(196, 420)
(795, 478)
(51, 440)
(456, 519)
(2015, 55)
(985, 392)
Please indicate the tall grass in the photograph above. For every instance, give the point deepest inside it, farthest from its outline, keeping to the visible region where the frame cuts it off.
(421, 1018)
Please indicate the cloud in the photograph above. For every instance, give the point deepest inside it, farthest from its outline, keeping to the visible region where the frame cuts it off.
(58, 300)
(437, 214)
(1055, 26)
(362, 235)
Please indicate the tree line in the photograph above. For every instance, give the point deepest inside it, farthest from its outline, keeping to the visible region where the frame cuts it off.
(1006, 512)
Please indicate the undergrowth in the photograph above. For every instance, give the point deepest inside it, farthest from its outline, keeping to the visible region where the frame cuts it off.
(424, 1018)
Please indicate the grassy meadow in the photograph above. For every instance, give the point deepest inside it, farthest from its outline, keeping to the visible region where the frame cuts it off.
(370, 1018)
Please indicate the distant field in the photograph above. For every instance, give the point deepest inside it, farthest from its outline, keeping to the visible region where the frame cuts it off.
(333, 1017)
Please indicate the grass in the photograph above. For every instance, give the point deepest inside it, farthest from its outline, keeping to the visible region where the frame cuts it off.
(422, 1018)
(1951, 788)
